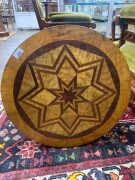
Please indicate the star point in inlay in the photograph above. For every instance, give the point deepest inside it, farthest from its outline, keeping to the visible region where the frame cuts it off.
(68, 95)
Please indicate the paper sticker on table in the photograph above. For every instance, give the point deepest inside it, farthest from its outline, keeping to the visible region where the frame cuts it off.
(18, 53)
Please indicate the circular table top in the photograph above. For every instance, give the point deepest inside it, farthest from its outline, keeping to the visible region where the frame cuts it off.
(66, 86)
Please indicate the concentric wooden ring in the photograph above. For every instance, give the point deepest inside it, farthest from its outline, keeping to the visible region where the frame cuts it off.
(66, 86)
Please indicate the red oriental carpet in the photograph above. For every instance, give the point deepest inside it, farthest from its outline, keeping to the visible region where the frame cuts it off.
(112, 157)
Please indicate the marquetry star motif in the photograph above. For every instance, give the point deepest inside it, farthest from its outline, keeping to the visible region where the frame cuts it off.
(82, 87)
(68, 95)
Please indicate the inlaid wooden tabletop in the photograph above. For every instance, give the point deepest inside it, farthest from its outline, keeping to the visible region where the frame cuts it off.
(66, 86)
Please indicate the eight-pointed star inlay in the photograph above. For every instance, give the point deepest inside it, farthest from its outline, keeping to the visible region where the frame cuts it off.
(68, 94)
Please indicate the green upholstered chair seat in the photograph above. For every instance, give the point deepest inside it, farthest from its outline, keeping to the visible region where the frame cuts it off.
(58, 13)
(71, 18)
(128, 11)
(60, 18)
(116, 43)
(128, 50)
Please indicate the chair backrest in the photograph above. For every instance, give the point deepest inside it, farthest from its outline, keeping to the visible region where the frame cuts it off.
(39, 13)
(127, 17)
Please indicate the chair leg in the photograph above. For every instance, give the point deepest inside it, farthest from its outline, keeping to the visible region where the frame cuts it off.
(115, 23)
(123, 28)
(113, 30)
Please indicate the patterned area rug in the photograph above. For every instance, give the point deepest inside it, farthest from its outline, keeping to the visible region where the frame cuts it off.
(111, 157)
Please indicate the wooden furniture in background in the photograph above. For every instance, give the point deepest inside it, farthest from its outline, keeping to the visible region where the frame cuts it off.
(3, 31)
(50, 7)
(115, 22)
(68, 88)
(45, 24)
(8, 19)
(126, 35)
(125, 20)
(6, 12)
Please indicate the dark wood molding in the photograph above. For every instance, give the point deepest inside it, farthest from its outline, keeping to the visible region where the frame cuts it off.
(115, 22)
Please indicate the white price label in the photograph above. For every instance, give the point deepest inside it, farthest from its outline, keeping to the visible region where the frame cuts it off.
(18, 53)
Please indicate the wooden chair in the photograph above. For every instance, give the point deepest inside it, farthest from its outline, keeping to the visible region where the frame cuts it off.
(127, 37)
(60, 19)
(127, 42)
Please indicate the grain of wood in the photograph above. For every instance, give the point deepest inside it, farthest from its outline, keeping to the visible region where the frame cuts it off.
(68, 87)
